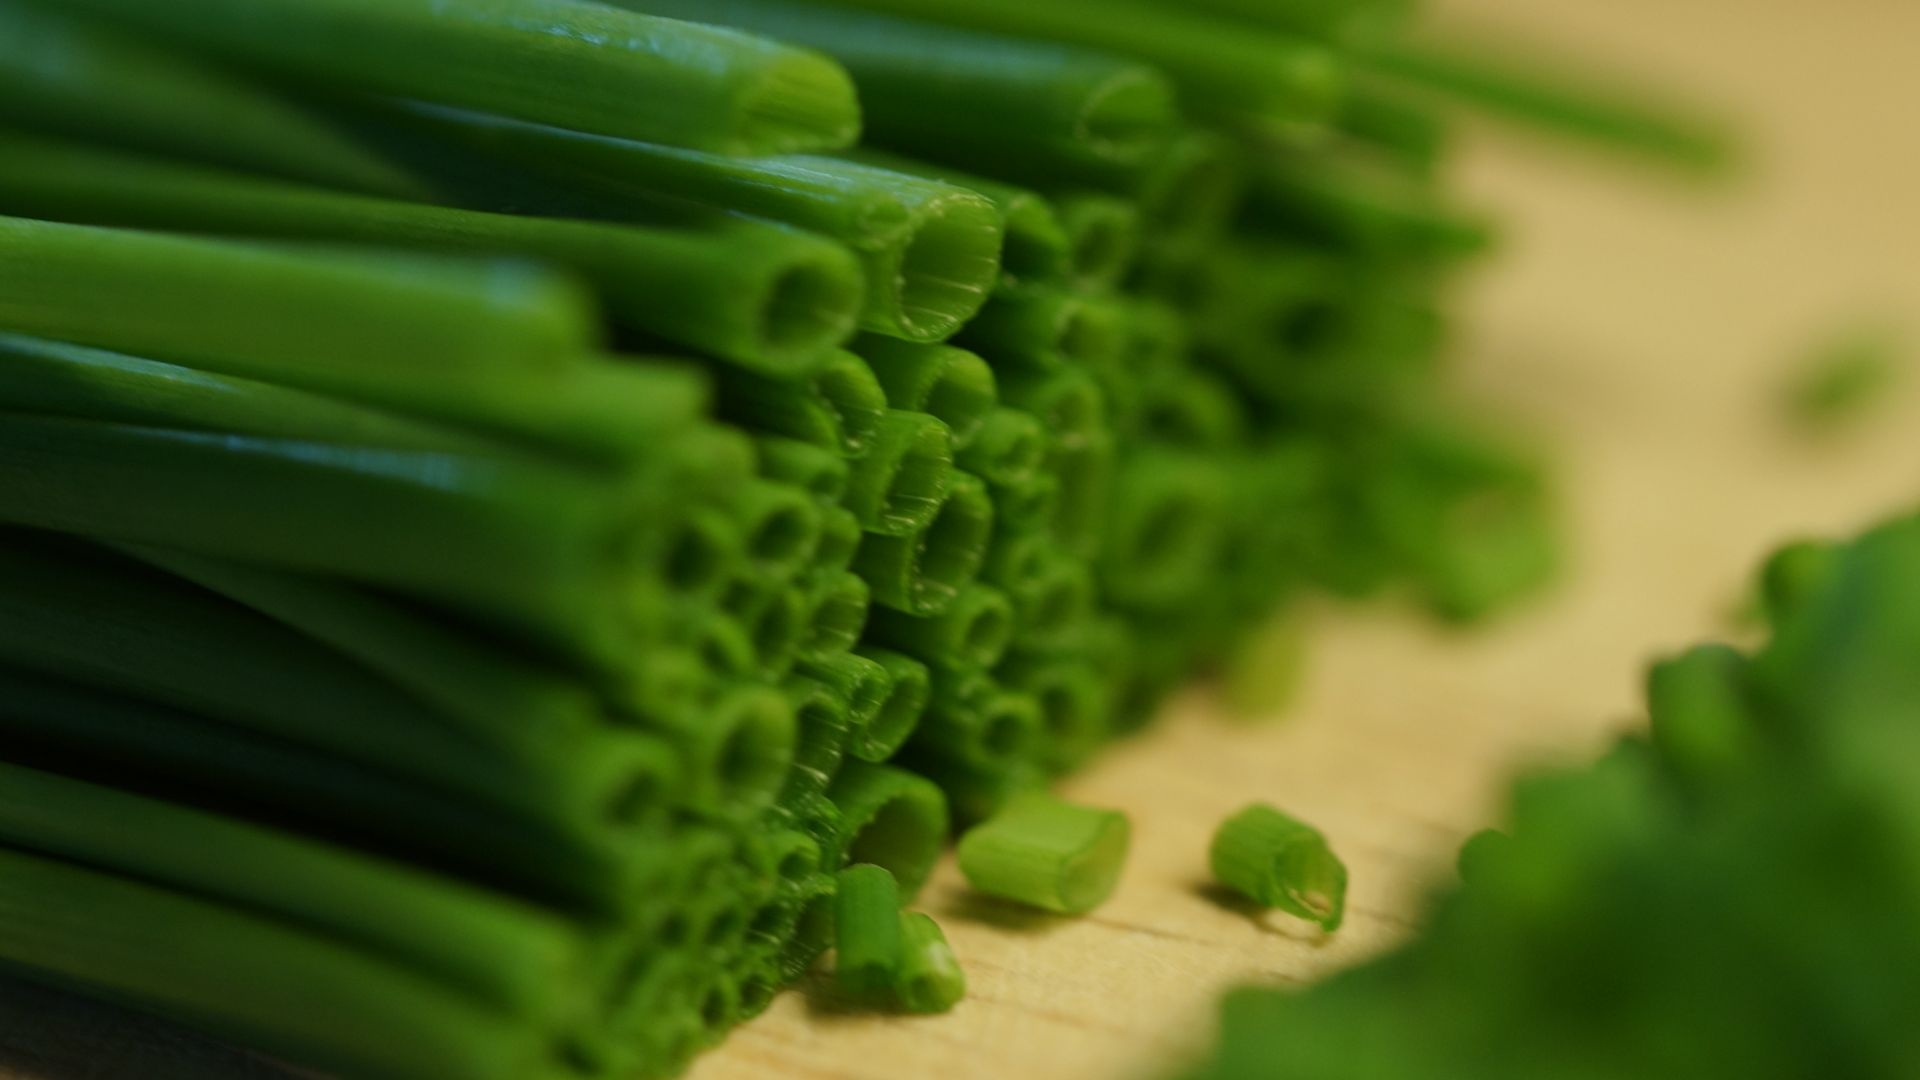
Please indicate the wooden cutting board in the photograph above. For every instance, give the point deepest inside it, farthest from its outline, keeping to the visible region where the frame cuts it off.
(1642, 327)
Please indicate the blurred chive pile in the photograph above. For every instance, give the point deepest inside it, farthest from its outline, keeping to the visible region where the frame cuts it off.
(503, 498)
(1732, 894)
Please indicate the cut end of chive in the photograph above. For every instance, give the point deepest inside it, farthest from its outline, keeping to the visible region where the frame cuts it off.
(810, 307)
(962, 395)
(1280, 862)
(920, 481)
(952, 547)
(856, 399)
(752, 756)
(801, 103)
(947, 269)
(929, 979)
(700, 557)
(1050, 854)
(894, 819)
(1104, 234)
(1036, 248)
(840, 616)
(1129, 116)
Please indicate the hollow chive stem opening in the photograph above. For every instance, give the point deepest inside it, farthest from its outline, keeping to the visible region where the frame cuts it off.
(892, 819)
(893, 722)
(898, 485)
(1050, 854)
(921, 573)
(1281, 862)
(950, 384)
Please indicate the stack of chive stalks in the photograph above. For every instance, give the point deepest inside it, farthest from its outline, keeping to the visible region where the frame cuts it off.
(503, 498)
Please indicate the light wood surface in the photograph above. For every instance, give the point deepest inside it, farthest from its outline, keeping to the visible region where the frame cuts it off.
(1642, 328)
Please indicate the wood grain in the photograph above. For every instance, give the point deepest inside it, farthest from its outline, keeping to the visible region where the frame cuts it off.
(1642, 328)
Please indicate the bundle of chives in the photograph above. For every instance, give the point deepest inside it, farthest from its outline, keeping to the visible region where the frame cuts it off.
(83, 79)
(579, 65)
(762, 296)
(972, 99)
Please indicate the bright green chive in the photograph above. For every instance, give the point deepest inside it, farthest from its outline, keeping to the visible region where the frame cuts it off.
(758, 294)
(824, 720)
(891, 818)
(1104, 232)
(899, 485)
(972, 633)
(863, 683)
(1046, 853)
(922, 572)
(1073, 700)
(930, 250)
(323, 320)
(1043, 328)
(1009, 448)
(949, 384)
(84, 80)
(1165, 530)
(929, 978)
(974, 99)
(578, 65)
(1036, 252)
(839, 406)
(1219, 69)
(816, 470)
(1280, 862)
(908, 687)
(867, 937)
(837, 613)
(840, 536)
(977, 724)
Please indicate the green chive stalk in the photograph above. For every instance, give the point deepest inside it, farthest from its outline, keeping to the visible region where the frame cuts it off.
(909, 686)
(969, 98)
(973, 633)
(84, 80)
(1220, 69)
(554, 557)
(1042, 328)
(931, 251)
(922, 572)
(63, 602)
(1009, 447)
(840, 407)
(248, 978)
(838, 609)
(975, 723)
(507, 955)
(417, 329)
(866, 685)
(578, 65)
(891, 818)
(1036, 249)
(951, 385)
(898, 487)
(1104, 232)
(825, 724)
(748, 291)
(816, 470)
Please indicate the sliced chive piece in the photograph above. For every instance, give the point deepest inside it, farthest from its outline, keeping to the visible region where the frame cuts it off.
(899, 485)
(824, 721)
(973, 632)
(949, 384)
(976, 723)
(864, 683)
(510, 956)
(1278, 861)
(1073, 701)
(749, 291)
(1047, 853)
(839, 406)
(890, 818)
(893, 723)
(115, 88)
(840, 536)
(929, 978)
(922, 572)
(867, 930)
(1042, 328)
(584, 66)
(247, 978)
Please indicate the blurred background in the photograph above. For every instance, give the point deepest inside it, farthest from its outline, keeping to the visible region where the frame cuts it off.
(1647, 328)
